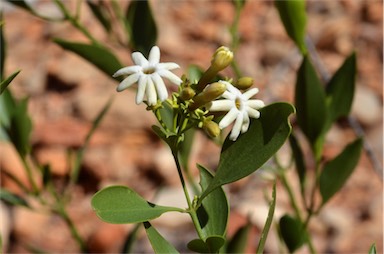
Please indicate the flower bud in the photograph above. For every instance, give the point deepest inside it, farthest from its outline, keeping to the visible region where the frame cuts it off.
(244, 83)
(187, 93)
(221, 59)
(211, 128)
(210, 93)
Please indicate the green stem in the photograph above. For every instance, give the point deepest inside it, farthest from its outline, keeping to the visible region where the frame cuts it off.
(74, 232)
(74, 21)
(291, 195)
(191, 208)
(29, 175)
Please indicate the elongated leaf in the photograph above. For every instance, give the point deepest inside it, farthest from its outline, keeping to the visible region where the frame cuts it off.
(372, 250)
(4, 84)
(337, 171)
(101, 57)
(252, 149)
(80, 153)
(214, 211)
(101, 14)
(238, 243)
(186, 147)
(299, 161)
(294, 18)
(159, 244)
(310, 104)
(341, 88)
(211, 245)
(12, 199)
(142, 27)
(120, 204)
(292, 232)
(268, 222)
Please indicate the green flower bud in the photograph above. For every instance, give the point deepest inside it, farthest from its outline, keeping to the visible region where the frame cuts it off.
(244, 83)
(221, 59)
(187, 93)
(211, 128)
(210, 93)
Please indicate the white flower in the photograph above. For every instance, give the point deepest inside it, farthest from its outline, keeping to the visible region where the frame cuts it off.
(240, 108)
(148, 74)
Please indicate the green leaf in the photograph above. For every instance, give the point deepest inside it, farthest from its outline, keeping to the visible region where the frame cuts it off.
(120, 204)
(252, 149)
(16, 125)
(101, 14)
(80, 153)
(214, 211)
(299, 161)
(310, 105)
(142, 27)
(159, 244)
(293, 16)
(4, 84)
(341, 88)
(100, 56)
(12, 199)
(238, 242)
(211, 245)
(292, 232)
(337, 171)
(372, 250)
(268, 222)
(186, 147)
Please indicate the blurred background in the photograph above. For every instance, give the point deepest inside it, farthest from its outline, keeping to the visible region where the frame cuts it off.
(66, 93)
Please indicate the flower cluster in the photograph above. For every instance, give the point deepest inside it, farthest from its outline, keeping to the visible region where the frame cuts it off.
(221, 96)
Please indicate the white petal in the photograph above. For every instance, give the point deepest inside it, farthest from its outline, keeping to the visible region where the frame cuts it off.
(141, 89)
(154, 56)
(170, 76)
(228, 118)
(245, 125)
(236, 127)
(161, 89)
(151, 92)
(232, 89)
(167, 66)
(253, 112)
(127, 82)
(251, 92)
(255, 104)
(127, 70)
(139, 59)
(221, 105)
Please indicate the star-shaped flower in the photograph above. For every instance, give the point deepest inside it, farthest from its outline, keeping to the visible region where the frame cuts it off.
(239, 107)
(148, 74)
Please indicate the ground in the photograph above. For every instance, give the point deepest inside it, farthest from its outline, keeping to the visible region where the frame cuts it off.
(66, 93)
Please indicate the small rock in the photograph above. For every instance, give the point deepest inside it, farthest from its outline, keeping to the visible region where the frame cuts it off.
(366, 106)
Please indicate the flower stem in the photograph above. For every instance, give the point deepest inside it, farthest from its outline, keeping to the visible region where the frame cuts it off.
(191, 208)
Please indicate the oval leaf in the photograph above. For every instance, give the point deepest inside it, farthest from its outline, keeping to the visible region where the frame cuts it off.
(214, 211)
(337, 171)
(211, 245)
(341, 88)
(299, 161)
(120, 204)
(101, 57)
(310, 104)
(142, 27)
(252, 149)
(293, 16)
(292, 232)
(238, 243)
(159, 244)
